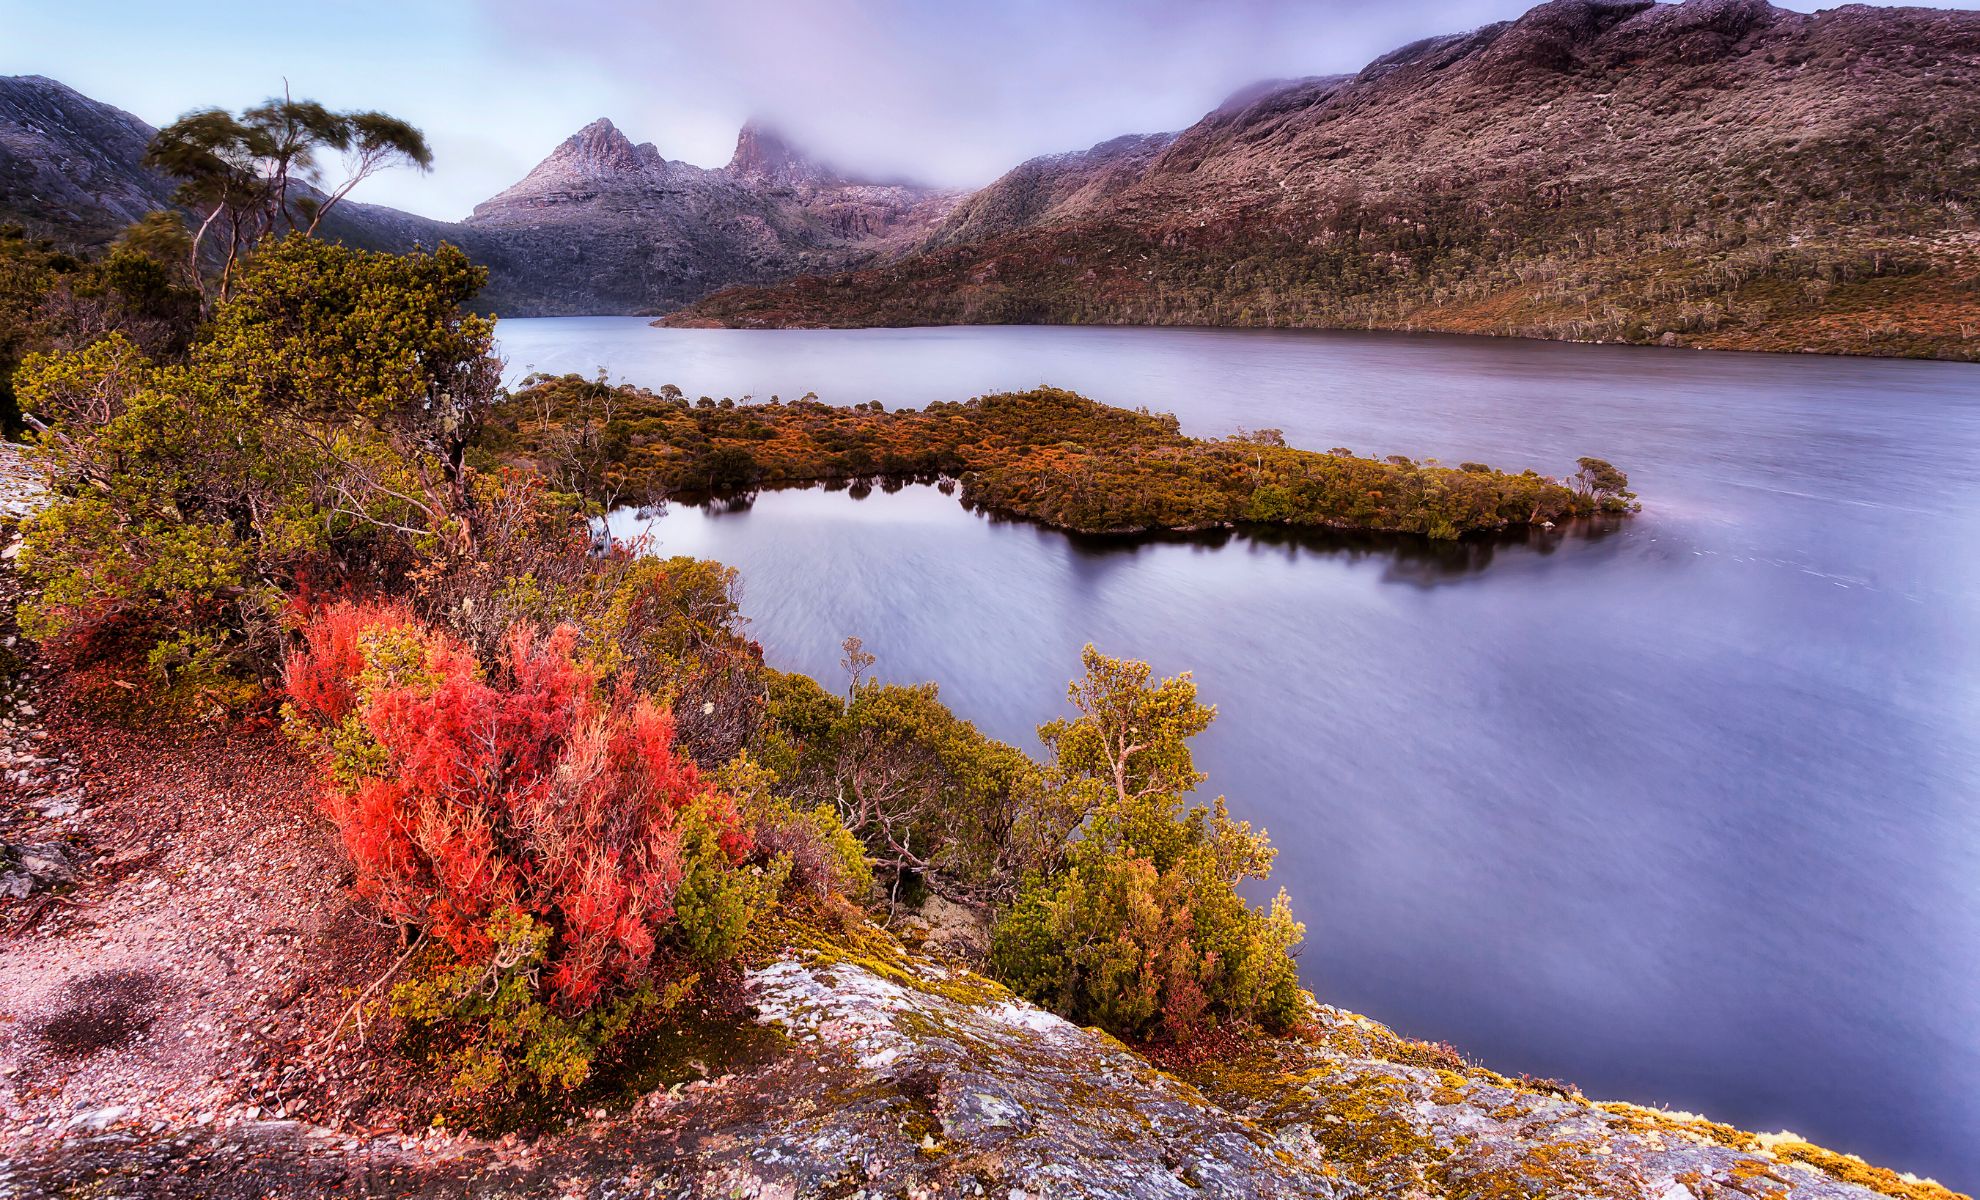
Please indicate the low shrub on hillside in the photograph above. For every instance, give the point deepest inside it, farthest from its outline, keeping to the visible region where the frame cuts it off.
(1143, 933)
(316, 427)
(541, 828)
(927, 793)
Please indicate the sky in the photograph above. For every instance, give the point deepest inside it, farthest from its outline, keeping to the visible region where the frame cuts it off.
(942, 91)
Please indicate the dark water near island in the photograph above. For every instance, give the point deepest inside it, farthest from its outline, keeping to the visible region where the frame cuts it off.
(1687, 814)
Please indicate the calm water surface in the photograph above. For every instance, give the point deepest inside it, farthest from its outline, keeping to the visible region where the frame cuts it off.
(1687, 814)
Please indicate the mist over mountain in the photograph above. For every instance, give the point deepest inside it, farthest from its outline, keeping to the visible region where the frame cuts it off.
(603, 225)
(1717, 172)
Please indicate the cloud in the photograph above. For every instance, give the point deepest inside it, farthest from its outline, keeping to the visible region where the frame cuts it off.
(954, 93)
(957, 91)
(947, 91)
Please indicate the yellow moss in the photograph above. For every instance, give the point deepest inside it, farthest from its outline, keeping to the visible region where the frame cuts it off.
(1850, 1169)
(1543, 1170)
(1639, 1119)
(1750, 1173)
(849, 938)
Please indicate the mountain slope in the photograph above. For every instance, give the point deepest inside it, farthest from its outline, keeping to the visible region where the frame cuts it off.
(72, 170)
(1717, 172)
(69, 166)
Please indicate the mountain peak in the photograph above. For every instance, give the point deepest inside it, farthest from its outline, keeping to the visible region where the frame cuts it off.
(763, 155)
(597, 158)
(598, 149)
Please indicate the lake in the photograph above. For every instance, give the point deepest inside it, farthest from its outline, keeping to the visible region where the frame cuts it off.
(1687, 814)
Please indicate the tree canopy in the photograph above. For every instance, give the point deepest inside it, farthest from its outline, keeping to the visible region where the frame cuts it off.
(255, 175)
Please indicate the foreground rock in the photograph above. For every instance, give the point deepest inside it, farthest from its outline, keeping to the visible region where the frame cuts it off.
(900, 1078)
(33, 867)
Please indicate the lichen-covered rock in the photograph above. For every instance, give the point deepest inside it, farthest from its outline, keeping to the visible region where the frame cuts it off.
(34, 866)
(1387, 1117)
(1005, 1094)
(901, 1078)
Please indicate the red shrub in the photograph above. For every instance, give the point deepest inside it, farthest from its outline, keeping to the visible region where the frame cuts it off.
(460, 793)
(322, 679)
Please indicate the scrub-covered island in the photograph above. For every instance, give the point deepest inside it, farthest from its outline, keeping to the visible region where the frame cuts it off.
(1047, 455)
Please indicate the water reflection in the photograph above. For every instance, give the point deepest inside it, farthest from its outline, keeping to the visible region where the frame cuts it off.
(1405, 558)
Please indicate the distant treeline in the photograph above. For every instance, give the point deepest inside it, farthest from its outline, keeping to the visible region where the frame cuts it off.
(1047, 455)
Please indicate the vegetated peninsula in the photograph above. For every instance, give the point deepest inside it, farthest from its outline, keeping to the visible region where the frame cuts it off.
(1715, 173)
(1047, 455)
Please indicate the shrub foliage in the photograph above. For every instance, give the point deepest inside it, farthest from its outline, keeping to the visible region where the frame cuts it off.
(316, 430)
(462, 794)
(1140, 928)
(557, 761)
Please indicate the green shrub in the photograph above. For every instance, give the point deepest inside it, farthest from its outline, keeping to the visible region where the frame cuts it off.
(486, 1022)
(1144, 934)
(1140, 928)
(922, 788)
(316, 430)
(816, 850)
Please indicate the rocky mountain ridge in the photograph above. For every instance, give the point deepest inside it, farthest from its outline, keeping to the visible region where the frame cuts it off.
(69, 166)
(604, 225)
(1713, 173)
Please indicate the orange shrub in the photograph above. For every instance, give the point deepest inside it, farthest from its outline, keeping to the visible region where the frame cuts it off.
(462, 793)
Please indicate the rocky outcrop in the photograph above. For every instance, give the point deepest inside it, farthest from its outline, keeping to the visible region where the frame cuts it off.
(765, 159)
(595, 160)
(31, 867)
(897, 1077)
(70, 167)
(603, 225)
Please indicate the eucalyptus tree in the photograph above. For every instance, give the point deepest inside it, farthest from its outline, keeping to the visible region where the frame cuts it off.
(260, 174)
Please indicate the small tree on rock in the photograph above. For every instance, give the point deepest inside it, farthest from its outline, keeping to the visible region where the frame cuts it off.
(1141, 928)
